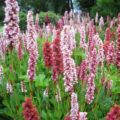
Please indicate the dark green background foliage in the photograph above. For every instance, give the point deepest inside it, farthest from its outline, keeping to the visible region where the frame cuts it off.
(52, 17)
(104, 7)
(58, 6)
(50, 7)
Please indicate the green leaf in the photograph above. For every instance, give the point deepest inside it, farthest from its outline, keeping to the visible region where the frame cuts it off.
(116, 90)
(41, 81)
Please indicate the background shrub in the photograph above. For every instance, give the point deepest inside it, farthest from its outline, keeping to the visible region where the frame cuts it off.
(52, 17)
(1, 16)
(23, 20)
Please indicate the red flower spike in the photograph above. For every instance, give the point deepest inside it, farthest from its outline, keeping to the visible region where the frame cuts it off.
(47, 54)
(57, 59)
(114, 113)
(29, 110)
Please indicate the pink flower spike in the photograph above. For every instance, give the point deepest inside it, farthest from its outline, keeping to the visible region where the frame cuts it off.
(11, 26)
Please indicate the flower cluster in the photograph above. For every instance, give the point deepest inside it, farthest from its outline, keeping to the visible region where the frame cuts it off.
(60, 24)
(90, 88)
(24, 39)
(101, 56)
(107, 34)
(82, 116)
(68, 38)
(92, 66)
(118, 49)
(71, 36)
(74, 112)
(29, 110)
(70, 73)
(47, 54)
(74, 107)
(32, 65)
(82, 37)
(32, 46)
(107, 40)
(114, 113)
(11, 27)
(99, 45)
(92, 61)
(105, 46)
(31, 33)
(81, 70)
(90, 36)
(57, 59)
(110, 55)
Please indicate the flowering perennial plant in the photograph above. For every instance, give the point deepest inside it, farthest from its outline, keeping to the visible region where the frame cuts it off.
(118, 49)
(47, 54)
(82, 57)
(83, 37)
(32, 46)
(29, 110)
(74, 107)
(57, 59)
(70, 73)
(11, 26)
(114, 113)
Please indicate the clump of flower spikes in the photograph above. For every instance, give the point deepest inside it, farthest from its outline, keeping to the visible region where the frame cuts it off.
(74, 107)
(11, 27)
(20, 52)
(114, 113)
(81, 71)
(74, 112)
(32, 46)
(118, 49)
(90, 35)
(107, 39)
(29, 110)
(110, 55)
(57, 59)
(100, 51)
(82, 116)
(82, 37)
(67, 45)
(47, 54)
(92, 67)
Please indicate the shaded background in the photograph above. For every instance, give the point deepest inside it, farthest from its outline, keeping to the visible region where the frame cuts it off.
(104, 7)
